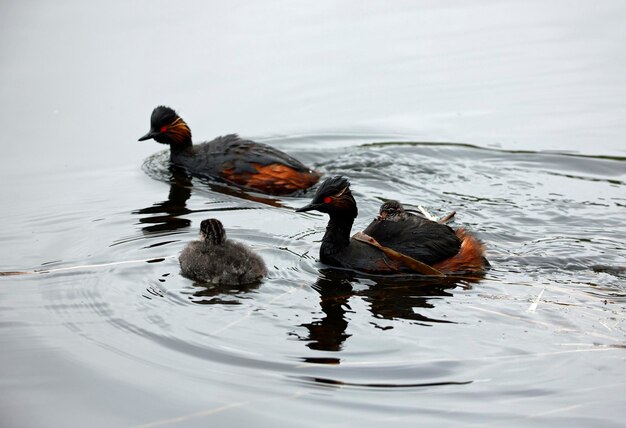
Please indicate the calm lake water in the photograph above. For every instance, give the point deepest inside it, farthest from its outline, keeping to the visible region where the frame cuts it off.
(510, 113)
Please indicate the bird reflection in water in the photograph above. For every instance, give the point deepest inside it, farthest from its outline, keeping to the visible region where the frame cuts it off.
(165, 216)
(209, 294)
(329, 333)
(389, 298)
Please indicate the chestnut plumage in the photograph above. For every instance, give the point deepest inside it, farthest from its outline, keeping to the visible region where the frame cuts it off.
(229, 158)
(403, 236)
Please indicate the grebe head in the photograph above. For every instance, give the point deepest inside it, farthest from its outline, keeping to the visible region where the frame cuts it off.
(167, 127)
(390, 209)
(212, 231)
(334, 198)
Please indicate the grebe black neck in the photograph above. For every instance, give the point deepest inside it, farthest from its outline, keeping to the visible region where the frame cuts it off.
(337, 232)
(334, 198)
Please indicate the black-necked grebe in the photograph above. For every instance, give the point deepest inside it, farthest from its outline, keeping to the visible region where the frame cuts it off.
(216, 260)
(394, 242)
(230, 158)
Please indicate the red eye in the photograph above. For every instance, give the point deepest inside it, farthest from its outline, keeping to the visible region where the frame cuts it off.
(327, 200)
(164, 129)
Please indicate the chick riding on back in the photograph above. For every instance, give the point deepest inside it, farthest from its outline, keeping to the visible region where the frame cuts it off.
(395, 242)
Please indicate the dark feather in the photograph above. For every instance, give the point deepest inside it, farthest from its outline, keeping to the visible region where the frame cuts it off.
(161, 116)
(417, 237)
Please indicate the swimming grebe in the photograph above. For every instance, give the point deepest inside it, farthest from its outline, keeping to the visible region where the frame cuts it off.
(395, 242)
(230, 158)
(216, 260)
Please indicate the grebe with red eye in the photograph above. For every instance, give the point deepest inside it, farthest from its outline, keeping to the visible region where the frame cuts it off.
(229, 158)
(402, 244)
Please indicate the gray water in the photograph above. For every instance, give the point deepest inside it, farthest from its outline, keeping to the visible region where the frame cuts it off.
(510, 113)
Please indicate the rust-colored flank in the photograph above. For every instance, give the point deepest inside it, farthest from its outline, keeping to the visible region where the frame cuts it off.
(273, 178)
(470, 258)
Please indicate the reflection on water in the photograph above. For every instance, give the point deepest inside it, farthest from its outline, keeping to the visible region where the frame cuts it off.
(389, 298)
(399, 385)
(408, 299)
(329, 332)
(554, 241)
(204, 294)
(169, 215)
(173, 208)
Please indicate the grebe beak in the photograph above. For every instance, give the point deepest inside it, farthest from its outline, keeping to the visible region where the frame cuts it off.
(149, 135)
(309, 207)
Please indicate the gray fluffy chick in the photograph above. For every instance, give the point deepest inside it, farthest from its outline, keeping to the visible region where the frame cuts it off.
(216, 260)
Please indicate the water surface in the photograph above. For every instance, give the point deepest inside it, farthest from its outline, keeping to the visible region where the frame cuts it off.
(510, 114)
